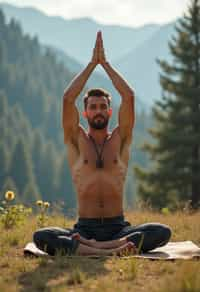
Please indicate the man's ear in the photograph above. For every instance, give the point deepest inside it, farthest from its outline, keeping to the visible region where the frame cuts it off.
(84, 114)
(110, 112)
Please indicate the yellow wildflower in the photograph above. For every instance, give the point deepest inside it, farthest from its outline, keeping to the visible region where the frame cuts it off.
(9, 195)
(46, 204)
(39, 203)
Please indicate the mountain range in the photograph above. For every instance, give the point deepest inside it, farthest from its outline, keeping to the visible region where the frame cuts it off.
(133, 51)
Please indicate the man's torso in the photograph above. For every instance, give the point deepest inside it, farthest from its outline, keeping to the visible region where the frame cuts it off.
(99, 190)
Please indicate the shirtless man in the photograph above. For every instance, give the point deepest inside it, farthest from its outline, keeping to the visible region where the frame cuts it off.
(98, 160)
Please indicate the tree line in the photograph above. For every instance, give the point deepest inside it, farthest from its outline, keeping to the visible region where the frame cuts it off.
(173, 177)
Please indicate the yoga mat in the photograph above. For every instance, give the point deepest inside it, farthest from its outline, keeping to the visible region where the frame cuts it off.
(171, 251)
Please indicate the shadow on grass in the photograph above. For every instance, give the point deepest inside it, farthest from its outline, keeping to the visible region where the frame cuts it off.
(61, 271)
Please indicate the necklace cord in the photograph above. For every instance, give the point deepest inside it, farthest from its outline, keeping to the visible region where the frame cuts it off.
(99, 154)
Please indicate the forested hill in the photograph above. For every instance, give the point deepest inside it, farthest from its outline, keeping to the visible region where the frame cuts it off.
(32, 152)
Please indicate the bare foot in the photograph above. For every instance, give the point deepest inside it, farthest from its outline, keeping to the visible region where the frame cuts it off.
(76, 236)
(92, 240)
(126, 249)
(89, 242)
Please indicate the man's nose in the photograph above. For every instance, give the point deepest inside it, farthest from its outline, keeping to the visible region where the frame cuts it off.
(98, 110)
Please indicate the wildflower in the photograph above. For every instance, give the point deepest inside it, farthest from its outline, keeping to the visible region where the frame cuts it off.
(9, 195)
(40, 203)
(165, 211)
(46, 204)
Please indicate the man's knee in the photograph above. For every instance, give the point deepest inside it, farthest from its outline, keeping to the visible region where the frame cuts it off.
(37, 235)
(48, 240)
(165, 234)
(41, 236)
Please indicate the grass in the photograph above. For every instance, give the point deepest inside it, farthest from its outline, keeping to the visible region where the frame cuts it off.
(102, 274)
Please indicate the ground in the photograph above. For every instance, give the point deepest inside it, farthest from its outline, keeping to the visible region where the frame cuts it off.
(103, 274)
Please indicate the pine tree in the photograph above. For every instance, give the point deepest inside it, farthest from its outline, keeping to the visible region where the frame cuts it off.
(52, 122)
(21, 169)
(4, 161)
(3, 104)
(37, 157)
(31, 193)
(65, 189)
(174, 176)
(48, 170)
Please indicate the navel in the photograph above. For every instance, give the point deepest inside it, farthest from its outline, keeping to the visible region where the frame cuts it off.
(85, 161)
(115, 160)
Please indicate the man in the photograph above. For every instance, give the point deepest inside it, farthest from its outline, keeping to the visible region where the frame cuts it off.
(98, 160)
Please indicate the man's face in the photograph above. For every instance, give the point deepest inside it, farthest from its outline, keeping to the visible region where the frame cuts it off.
(97, 112)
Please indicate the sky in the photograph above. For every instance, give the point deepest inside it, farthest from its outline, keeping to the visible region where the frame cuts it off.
(121, 12)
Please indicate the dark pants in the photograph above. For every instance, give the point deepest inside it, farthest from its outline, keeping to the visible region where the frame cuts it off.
(154, 234)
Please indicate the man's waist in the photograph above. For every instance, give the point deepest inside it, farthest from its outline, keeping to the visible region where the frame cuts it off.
(101, 220)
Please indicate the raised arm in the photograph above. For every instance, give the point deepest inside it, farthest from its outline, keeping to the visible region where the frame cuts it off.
(70, 117)
(127, 107)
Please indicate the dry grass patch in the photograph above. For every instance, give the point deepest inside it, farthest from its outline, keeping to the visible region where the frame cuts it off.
(103, 274)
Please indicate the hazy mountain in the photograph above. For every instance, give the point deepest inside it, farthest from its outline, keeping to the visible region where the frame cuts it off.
(76, 36)
(132, 50)
(140, 68)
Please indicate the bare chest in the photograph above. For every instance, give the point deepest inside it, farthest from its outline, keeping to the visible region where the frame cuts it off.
(85, 170)
(100, 157)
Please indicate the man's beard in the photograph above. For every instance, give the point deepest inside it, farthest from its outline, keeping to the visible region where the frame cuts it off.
(98, 124)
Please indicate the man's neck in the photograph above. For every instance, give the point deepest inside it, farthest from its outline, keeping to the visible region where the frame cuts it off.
(98, 135)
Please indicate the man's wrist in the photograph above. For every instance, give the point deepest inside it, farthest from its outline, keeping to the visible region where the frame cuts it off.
(105, 64)
(92, 64)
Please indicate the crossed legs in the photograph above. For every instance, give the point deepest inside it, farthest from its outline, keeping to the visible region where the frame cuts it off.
(144, 237)
(54, 239)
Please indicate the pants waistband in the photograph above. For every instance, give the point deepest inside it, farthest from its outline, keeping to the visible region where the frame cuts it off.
(103, 220)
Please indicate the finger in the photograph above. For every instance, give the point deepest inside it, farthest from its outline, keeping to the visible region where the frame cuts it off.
(97, 39)
(101, 39)
(96, 42)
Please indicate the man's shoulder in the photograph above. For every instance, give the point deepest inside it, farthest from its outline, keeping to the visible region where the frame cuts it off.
(115, 133)
(73, 140)
(82, 132)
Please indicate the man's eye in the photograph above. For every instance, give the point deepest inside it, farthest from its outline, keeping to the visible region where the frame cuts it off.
(93, 106)
(103, 106)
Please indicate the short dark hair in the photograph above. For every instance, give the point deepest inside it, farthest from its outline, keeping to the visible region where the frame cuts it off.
(96, 92)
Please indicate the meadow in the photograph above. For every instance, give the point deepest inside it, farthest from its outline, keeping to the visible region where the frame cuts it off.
(19, 273)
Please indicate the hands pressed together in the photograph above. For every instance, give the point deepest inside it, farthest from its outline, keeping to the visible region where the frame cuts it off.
(98, 51)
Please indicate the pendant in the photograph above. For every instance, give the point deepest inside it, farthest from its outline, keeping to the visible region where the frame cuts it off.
(99, 163)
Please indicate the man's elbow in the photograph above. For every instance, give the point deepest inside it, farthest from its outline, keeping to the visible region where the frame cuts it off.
(66, 93)
(68, 97)
(132, 93)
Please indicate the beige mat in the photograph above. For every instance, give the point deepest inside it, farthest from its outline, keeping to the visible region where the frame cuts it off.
(174, 250)
(171, 251)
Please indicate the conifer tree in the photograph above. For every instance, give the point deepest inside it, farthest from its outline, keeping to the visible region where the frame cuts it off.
(65, 189)
(4, 162)
(31, 193)
(37, 156)
(48, 170)
(174, 176)
(21, 169)
(3, 104)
